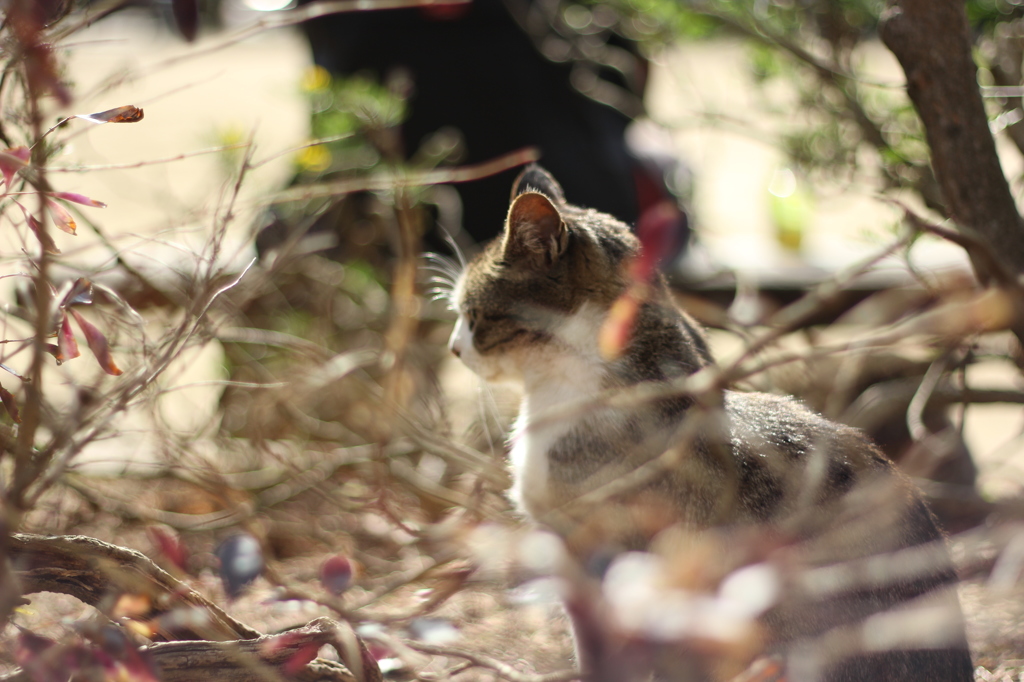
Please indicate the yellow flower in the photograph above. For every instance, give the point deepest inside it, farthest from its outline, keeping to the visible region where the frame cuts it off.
(316, 158)
(315, 79)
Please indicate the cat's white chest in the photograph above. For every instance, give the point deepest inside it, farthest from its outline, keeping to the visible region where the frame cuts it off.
(568, 374)
(536, 432)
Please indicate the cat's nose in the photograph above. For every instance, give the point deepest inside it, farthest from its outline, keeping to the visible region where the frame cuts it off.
(455, 340)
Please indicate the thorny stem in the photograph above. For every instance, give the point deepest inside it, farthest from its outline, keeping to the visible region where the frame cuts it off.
(29, 464)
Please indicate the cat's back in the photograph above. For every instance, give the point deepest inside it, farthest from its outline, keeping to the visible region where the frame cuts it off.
(814, 476)
(866, 544)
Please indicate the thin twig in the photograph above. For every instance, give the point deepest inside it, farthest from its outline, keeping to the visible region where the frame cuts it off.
(923, 394)
(392, 181)
(149, 162)
(299, 15)
(503, 670)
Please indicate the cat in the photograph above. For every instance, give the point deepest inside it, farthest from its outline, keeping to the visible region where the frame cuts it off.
(614, 479)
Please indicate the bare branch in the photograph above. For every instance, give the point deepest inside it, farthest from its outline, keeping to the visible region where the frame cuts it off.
(97, 573)
(142, 164)
(267, 658)
(393, 181)
(256, 660)
(931, 39)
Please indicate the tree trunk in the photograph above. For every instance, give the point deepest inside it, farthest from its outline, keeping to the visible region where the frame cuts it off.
(931, 40)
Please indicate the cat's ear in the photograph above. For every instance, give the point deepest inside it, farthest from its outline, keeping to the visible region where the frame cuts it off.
(535, 234)
(533, 178)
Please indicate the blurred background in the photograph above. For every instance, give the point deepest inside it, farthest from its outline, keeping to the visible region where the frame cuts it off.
(775, 181)
(256, 273)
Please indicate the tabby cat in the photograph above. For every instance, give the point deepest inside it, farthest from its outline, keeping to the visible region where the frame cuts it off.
(613, 478)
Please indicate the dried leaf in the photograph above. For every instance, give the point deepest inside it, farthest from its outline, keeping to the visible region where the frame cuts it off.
(129, 113)
(285, 640)
(61, 217)
(336, 574)
(97, 344)
(132, 606)
(22, 153)
(45, 240)
(67, 346)
(42, 235)
(29, 646)
(79, 199)
(120, 658)
(140, 628)
(618, 326)
(10, 404)
(302, 656)
(296, 646)
(12, 161)
(658, 229)
(141, 667)
(169, 545)
(80, 293)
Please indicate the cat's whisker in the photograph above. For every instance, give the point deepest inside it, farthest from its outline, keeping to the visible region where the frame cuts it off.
(443, 275)
(443, 263)
(450, 241)
(442, 278)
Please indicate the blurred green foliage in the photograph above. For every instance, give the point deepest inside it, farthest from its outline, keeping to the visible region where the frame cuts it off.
(818, 48)
(351, 112)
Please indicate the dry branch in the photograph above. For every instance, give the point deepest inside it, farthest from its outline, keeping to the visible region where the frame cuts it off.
(269, 658)
(257, 660)
(383, 182)
(98, 573)
(931, 39)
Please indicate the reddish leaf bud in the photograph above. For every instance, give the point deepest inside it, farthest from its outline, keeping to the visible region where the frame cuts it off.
(79, 199)
(336, 574)
(97, 344)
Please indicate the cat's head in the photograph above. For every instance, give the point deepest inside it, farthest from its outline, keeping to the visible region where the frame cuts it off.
(538, 294)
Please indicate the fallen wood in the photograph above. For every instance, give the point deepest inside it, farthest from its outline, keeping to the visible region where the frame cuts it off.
(221, 649)
(269, 658)
(99, 574)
